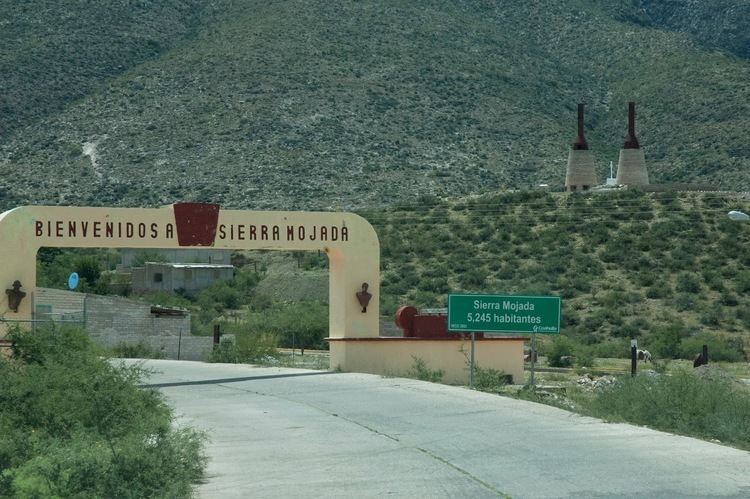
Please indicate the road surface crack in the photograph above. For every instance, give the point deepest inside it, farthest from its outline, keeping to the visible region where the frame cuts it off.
(361, 425)
(464, 472)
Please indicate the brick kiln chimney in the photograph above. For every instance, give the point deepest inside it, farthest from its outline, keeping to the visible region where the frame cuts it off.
(580, 174)
(631, 169)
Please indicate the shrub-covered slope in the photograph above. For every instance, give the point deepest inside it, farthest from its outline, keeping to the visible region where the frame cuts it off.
(314, 104)
(663, 267)
(56, 52)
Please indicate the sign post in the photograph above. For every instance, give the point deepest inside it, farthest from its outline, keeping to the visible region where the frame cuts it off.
(533, 357)
(471, 364)
(502, 314)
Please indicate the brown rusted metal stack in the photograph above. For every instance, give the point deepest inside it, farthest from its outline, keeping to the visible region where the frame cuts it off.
(581, 174)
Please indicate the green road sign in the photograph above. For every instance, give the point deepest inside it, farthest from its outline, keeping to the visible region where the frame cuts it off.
(504, 314)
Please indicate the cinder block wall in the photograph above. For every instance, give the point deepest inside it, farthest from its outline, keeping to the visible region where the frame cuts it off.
(112, 320)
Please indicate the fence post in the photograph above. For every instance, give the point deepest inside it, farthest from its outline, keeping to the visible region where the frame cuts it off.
(633, 357)
(705, 354)
(217, 335)
(179, 344)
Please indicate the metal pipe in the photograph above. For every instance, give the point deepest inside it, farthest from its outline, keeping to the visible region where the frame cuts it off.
(580, 144)
(631, 141)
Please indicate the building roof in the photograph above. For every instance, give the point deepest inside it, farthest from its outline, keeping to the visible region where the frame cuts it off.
(159, 310)
(192, 265)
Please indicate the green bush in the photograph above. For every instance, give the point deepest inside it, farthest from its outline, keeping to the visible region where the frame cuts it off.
(225, 352)
(487, 379)
(420, 371)
(688, 282)
(665, 342)
(247, 347)
(659, 289)
(135, 351)
(560, 352)
(614, 349)
(719, 347)
(584, 356)
(74, 425)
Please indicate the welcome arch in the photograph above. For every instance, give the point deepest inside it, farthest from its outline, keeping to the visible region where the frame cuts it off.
(349, 241)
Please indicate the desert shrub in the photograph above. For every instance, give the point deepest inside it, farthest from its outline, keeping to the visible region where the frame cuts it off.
(437, 285)
(583, 356)
(420, 371)
(713, 280)
(729, 299)
(615, 349)
(225, 352)
(711, 316)
(72, 424)
(304, 324)
(688, 282)
(684, 301)
(627, 330)
(665, 341)
(705, 404)
(472, 278)
(560, 352)
(719, 347)
(247, 347)
(742, 282)
(659, 289)
(487, 379)
(135, 351)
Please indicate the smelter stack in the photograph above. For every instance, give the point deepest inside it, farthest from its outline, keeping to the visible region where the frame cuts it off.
(631, 170)
(580, 175)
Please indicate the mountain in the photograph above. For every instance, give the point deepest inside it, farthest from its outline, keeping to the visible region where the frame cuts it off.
(724, 24)
(326, 105)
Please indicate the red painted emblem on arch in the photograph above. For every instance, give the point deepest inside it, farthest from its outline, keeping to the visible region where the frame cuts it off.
(196, 223)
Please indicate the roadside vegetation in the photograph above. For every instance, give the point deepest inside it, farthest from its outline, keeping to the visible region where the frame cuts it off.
(710, 402)
(75, 424)
(706, 403)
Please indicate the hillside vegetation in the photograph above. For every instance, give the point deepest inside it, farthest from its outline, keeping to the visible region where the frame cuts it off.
(314, 104)
(671, 269)
(668, 268)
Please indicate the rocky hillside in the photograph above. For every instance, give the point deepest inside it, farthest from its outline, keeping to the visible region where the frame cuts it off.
(310, 104)
(723, 24)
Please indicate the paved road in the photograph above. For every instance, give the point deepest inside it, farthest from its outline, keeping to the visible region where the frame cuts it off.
(285, 433)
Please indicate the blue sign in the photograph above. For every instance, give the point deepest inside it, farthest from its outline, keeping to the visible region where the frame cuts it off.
(73, 281)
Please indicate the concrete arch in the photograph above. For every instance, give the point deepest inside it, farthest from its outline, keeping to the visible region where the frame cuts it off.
(349, 240)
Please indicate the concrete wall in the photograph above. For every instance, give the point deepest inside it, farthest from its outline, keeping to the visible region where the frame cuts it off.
(112, 320)
(187, 255)
(58, 304)
(395, 356)
(176, 276)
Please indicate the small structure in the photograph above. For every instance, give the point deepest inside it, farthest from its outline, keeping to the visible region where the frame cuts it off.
(426, 337)
(611, 180)
(428, 323)
(581, 174)
(188, 277)
(129, 257)
(631, 169)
